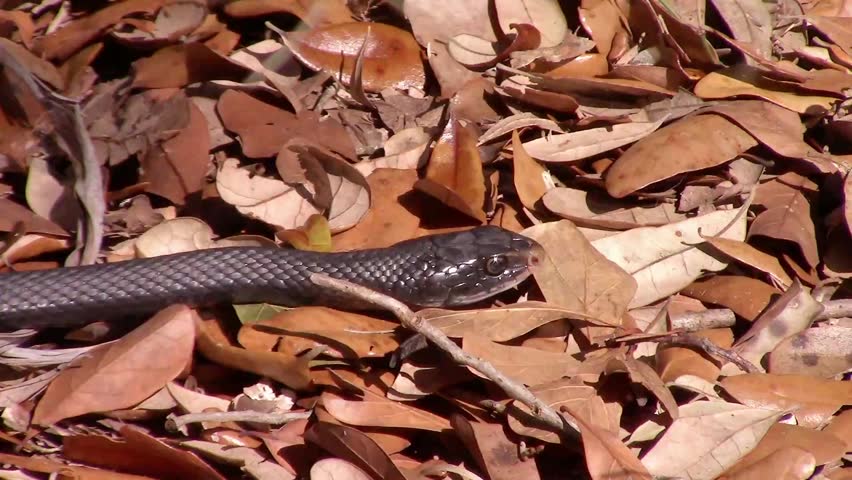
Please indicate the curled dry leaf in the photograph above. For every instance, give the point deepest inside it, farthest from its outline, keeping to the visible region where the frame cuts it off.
(574, 146)
(531, 179)
(690, 144)
(545, 15)
(391, 56)
(283, 206)
(122, 374)
(404, 150)
(517, 122)
(674, 362)
(717, 433)
(214, 344)
(183, 234)
(480, 54)
(454, 173)
(577, 276)
(592, 209)
(724, 84)
(792, 313)
(663, 260)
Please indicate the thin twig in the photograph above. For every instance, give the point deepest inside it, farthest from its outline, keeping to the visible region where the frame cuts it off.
(179, 421)
(412, 321)
(712, 349)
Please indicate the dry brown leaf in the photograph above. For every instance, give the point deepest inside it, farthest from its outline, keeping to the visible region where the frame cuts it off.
(606, 455)
(454, 173)
(215, 346)
(398, 213)
(724, 84)
(264, 129)
(676, 361)
(753, 257)
(818, 351)
(778, 128)
(747, 297)
(596, 210)
(493, 451)
(788, 215)
(122, 374)
(824, 446)
(500, 324)
(522, 88)
(183, 64)
(528, 365)
(577, 276)
(314, 13)
(353, 445)
(374, 410)
(64, 42)
(172, 23)
(718, 435)
(788, 463)
(346, 334)
(663, 260)
(812, 399)
(179, 167)
(139, 453)
(687, 145)
(531, 179)
(391, 56)
(32, 463)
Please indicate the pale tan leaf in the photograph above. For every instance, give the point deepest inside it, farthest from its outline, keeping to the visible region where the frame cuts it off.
(577, 276)
(663, 260)
(575, 146)
(717, 434)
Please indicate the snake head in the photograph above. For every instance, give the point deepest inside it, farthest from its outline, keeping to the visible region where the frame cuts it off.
(469, 266)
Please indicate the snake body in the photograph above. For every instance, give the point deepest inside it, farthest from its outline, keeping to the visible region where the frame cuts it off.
(434, 271)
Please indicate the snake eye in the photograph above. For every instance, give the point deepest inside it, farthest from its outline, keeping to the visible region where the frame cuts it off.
(496, 265)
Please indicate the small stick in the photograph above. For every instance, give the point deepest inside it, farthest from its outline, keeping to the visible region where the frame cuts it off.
(412, 321)
(177, 422)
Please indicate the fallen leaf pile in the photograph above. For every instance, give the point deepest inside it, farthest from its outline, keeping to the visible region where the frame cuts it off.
(684, 165)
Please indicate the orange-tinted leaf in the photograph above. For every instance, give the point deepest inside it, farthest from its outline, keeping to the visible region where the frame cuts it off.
(454, 174)
(391, 57)
(122, 374)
